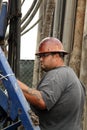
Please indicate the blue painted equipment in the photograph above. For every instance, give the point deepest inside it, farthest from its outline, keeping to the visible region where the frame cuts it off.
(13, 103)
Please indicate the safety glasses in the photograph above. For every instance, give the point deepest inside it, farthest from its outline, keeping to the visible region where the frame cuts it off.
(42, 55)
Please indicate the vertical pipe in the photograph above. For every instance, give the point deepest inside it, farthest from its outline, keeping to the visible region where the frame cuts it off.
(75, 59)
(59, 18)
(18, 38)
(69, 23)
(0, 4)
(83, 67)
(14, 35)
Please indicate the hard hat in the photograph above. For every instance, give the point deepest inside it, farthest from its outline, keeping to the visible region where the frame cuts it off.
(50, 44)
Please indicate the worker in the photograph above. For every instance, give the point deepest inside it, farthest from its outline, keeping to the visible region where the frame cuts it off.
(58, 100)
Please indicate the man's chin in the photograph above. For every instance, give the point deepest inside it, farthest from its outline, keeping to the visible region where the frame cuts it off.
(44, 69)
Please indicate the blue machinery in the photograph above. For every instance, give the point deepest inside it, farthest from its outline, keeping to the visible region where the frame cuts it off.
(13, 103)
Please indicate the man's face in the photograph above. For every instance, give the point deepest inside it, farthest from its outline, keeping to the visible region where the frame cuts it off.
(47, 61)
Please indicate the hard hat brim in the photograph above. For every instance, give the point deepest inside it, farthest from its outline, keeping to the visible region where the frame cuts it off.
(62, 51)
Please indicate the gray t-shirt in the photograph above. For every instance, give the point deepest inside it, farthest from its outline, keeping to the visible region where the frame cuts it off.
(64, 98)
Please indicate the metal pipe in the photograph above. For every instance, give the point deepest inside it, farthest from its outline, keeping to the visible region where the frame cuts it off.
(69, 23)
(14, 35)
(59, 18)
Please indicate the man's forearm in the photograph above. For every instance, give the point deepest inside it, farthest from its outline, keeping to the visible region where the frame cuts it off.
(32, 95)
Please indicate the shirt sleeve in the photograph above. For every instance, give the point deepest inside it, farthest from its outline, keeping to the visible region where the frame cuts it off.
(51, 88)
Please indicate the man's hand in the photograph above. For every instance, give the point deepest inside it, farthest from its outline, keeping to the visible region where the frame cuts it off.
(32, 95)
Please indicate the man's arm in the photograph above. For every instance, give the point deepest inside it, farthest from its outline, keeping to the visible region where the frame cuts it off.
(32, 95)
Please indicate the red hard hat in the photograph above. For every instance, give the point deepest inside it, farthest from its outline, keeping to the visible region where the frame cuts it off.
(50, 44)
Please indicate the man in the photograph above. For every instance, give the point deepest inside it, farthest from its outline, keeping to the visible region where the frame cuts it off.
(59, 98)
